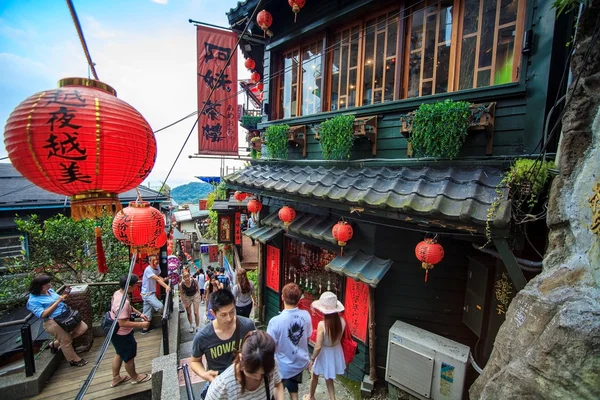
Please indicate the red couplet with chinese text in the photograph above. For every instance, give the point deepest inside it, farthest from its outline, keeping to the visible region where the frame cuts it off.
(218, 122)
(272, 270)
(238, 228)
(357, 308)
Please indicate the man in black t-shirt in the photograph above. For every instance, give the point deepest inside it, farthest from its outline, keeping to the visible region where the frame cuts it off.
(218, 340)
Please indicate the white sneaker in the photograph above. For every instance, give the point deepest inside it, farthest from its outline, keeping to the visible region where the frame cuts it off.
(192, 328)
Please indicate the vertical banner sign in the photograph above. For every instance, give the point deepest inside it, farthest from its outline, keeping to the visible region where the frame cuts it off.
(272, 270)
(202, 205)
(238, 228)
(225, 229)
(218, 124)
(357, 308)
(213, 253)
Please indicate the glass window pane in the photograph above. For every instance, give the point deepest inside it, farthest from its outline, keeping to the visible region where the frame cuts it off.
(369, 63)
(352, 88)
(429, 47)
(504, 56)
(311, 78)
(294, 101)
(445, 33)
(390, 72)
(467, 63)
(416, 31)
(286, 86)
(471, 18)
(334, 91)
(367, 86)
(379, 60)
(392, 37)
(414, 70)
(377, 97)
(508, 11)
(354, 47)
(483, 78)
(344, 72)
(487, 33)
(442, 69)
(427, 86)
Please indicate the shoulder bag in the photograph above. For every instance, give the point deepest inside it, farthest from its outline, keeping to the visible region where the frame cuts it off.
(69, 319)
(349, 346)
(107, 321)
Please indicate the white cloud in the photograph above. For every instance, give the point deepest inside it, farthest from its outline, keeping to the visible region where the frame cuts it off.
(96, 29)
(160, 1)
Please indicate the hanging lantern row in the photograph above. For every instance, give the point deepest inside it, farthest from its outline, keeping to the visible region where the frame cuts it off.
(296, 6)
(342, 232)
(240, 196)
(429, 252)
(255, 77)
(254, 206)
(138, 225)
(71, 141)
(250, 64)
(265, 20)
(260, 86)
(287, 214)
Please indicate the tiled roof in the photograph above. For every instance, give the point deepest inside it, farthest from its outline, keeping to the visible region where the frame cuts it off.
(453, 193)
(263, 233)
(306, 224)
(359, 266)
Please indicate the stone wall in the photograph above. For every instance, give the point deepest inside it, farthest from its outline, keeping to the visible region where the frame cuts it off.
(549, 346)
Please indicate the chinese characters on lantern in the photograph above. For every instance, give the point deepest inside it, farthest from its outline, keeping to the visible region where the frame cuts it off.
(356, 306)
(218, 118)
(272, 273)
(62, 141)
(595, 206)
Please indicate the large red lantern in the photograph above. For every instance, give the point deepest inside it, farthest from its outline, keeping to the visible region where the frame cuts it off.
(287, 215)
(296, 6)
(239, 196)
(255, 77)
(254, 206)
(249, 64)
(138, 225)
(429, 252)
(342, 232)
(80, 140)
(265, 20)
(260, 86)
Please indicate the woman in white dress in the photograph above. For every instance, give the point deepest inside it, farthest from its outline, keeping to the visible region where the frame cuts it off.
(328, 357)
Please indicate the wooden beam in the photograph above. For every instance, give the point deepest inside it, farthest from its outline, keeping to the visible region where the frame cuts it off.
(516, 275)
(372, 346)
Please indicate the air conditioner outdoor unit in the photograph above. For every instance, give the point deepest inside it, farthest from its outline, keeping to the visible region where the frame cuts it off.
(424, 364)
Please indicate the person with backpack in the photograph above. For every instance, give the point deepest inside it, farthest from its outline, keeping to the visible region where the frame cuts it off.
(123, 340)
(201, 279)
(223, 279)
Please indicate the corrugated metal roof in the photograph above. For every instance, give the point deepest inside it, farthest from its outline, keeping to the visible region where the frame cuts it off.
(182, 216)
(263, 233)
(306, 224)
(454, 193)
(360, 266)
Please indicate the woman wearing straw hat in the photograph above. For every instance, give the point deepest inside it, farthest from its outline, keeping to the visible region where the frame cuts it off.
(328, 357)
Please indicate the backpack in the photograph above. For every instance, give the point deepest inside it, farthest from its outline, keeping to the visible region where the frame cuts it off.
(107, 322)
(223, 280)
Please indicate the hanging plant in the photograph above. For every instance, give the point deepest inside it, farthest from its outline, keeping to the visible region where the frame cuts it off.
(276, 138)
(525, 181)
(250, 121)
(337, 137)
(440, 129)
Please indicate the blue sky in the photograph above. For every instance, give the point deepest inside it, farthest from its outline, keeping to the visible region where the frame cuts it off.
(145, 49)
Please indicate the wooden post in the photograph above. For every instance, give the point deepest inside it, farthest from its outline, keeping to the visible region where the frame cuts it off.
(372, 348)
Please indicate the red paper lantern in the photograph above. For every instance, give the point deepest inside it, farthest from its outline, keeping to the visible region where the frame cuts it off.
(250, 64)
(260, 86)
(265, 20)
(239, 196)
(342, 232)
(80, 140)
(254, 206)
(429, 252)
(155, 246)
(287, 215)
(255, 77)
(296, 6)
(138, 225)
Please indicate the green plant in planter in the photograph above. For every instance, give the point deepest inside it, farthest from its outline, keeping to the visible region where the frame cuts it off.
(337, 137)
(250, 121)
(440, 129)
(276, 137)
(525, 180)
(255, 154)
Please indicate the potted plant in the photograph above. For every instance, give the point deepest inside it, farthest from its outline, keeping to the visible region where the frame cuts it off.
(250, 121)
(256, 143)
(440, 129)
(276, 140)
(336, 137)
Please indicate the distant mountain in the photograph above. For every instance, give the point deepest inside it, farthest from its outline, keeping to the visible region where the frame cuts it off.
(191, 192)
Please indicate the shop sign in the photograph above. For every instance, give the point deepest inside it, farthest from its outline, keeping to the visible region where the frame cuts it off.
(225, 235)
(357, 308)
(238, 228)
(213, 253)
(272, 270)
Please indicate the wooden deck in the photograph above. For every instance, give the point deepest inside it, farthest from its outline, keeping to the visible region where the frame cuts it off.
(66, 380)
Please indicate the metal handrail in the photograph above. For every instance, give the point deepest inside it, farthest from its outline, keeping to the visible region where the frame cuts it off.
(167, 310)
(188, 382)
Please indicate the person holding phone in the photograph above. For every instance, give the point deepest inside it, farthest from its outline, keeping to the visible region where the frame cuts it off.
(46, 304)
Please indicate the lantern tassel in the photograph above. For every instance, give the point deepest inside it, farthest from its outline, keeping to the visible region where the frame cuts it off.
(100, 256)
(295, 15)
(426, 274)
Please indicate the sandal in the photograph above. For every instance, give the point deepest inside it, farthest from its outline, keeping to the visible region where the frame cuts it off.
(125, 379)
(53, 349)
(79, 363)
(146, 378)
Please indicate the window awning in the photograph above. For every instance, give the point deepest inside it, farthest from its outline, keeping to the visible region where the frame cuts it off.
(306, 224)
(360, 266)
(263, 233)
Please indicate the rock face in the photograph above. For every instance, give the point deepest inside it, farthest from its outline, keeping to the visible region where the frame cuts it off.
(549, 346)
